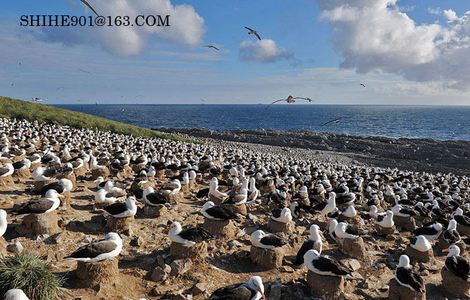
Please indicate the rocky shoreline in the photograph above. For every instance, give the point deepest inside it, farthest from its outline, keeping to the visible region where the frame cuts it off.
(423, 155)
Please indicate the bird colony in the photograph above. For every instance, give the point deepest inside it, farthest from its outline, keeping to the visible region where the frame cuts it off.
(133, 218)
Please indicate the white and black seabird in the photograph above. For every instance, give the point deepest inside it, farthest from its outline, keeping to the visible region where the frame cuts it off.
(217, 212)
(282, 215)
(189, 236)
(253, 289)
(314, 242)
(431, 232)
(152, 198)
(324, 265)
(456, 264)
(420, 243)
(6, 169)
(3, 222)
(264, 240)
(15, 294)
(405, 276)
(48, 203)
(108, 248)
(122, 210)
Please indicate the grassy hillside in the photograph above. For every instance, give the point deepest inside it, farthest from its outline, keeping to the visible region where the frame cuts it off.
(12, 108)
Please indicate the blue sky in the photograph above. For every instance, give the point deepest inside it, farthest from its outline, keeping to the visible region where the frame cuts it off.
(417, 52)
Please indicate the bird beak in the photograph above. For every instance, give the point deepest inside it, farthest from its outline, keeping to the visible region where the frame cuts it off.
(446, 250)
(262, 294)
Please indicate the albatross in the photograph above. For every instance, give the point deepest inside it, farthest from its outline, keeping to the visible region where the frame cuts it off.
(289, 100)
(324, 265)
(217, 212)
(253, 289)
(122, 210)
(15, 294)
(189, 236)
(264, 240)
(48, 203)
(406, 277)
(3, 222)
(212, 47)
(253, 32)
(456, 264)
(108, 248)
(314, 242)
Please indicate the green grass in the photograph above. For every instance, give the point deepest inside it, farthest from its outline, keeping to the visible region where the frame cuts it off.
(13, 108)
(31, 274)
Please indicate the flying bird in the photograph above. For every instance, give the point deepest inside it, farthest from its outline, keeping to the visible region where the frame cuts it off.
(212, 46)
(37, 99)
(363, 84)
(84, 71)
(90, 7)
(332, 121)
(290, 100)
(252, 31)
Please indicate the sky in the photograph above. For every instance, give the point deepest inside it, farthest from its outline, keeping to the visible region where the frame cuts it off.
(404, 51)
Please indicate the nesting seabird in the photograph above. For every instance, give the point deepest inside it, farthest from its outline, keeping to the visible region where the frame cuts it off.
(61, 186)
(431, 232)
(48, 203)
(152, 198)
(324, 265)
(282, 215)
(15, 294)
(314, 242)
(122, 210)
(326, 207)
(253, 289)
(189, 236)
(217, 212)
(104, 197)
(405, 276)
(456, 264)
(239, 198)
(3, 222)
(105, 249)
(343, 231)
(385, 220)
(451, 235)
(264, 240)
(420, 243)
(6, 170)
(461, 219)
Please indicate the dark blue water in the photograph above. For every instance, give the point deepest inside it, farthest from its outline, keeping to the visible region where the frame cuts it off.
(436, 122)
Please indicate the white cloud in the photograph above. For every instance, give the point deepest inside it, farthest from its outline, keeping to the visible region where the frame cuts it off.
(264, 51)
(186, 26)
(382, 37)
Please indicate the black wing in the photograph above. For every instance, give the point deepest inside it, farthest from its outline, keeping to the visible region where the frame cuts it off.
(233, 292)
(222, 213)
(51, 186)
(195, 234)
(307, 245)
(93, 250)
(331, 121)
(89, 6)
(459, 266)
(257, 35)
(269, 105)
(156, 198)
(407, 276)
(272, 240)
(116, 208)
(202, 193)
(326, 264)
(249, 28)
(319, 206)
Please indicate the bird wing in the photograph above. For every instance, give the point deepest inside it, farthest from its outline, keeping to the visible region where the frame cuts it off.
(249, 28)
(94, 249)
(328, 264)
(304, 98)
(331, 121)
(407, 276)
(257, 35)
(89, 6)
(275, 102)
(233, 292)
(307, 245)
(272, 240)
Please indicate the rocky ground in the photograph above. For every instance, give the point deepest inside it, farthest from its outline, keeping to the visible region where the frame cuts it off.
(146, 270)
(424, 155)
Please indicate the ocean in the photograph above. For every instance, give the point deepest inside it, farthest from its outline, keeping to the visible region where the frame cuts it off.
(435, 122)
